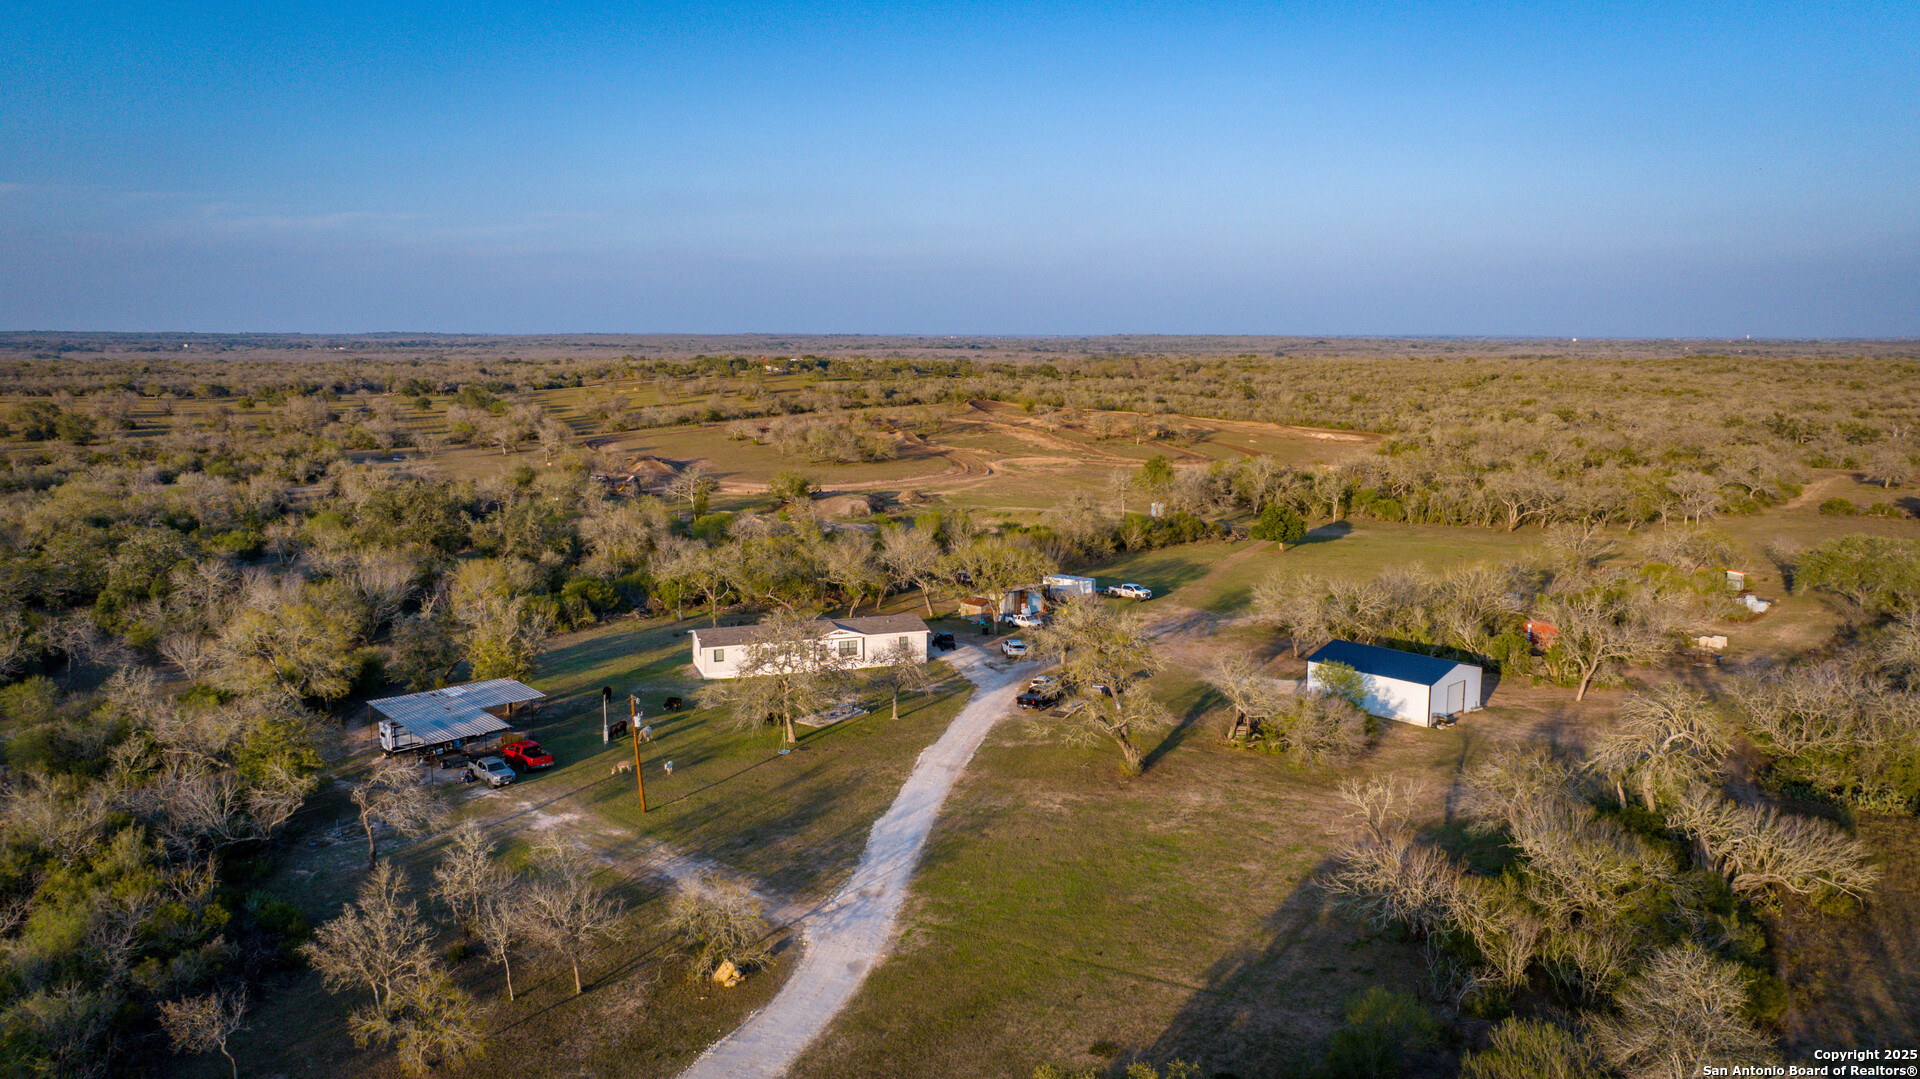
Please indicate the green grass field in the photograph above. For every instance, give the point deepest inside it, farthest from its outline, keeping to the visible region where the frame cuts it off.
(1067, 914)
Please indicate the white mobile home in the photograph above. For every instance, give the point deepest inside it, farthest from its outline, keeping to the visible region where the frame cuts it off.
(1406, 686)
(856, 642)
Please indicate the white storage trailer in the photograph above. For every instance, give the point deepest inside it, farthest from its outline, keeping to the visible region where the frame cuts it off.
(1060, 586)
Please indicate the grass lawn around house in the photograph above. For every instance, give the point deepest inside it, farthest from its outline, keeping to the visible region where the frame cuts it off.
(793, 825)
(796, 822)
(1063, 909)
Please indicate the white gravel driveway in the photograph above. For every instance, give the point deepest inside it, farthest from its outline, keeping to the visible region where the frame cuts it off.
(850, 933)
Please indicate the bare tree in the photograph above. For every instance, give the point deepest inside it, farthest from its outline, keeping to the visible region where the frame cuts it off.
(384, 582)
(1254, 698)
(379, 942)
(203, 1024)
(1757, 848)
(190, 652)
(1296, 604)
(1667, 740)
(719, 922)
(900, 668)
(1381, 802)
(1320, 728)
(395, 793)
(467, 877)
(503, 926)
(1099, 646)
(75, 635)
(787, 673)
(1698, 495)
(1596, 629)
(1680, 1013)
(566, 908)
(850, 566)
(912, 556)
(691, 483)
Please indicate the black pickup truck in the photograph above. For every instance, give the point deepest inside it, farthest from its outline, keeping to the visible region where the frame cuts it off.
(1038, 699)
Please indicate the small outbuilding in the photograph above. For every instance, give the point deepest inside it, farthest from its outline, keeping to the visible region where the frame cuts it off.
(1406, 686)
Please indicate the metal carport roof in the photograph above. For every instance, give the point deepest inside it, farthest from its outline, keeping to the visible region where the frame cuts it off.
(456, 712)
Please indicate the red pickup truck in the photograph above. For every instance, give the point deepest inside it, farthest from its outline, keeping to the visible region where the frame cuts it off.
(526, 754)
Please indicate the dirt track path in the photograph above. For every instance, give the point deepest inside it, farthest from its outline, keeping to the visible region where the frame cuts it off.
(850, 934)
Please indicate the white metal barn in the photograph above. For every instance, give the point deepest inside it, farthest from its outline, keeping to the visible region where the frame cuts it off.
(1406, 686)
(858, 642)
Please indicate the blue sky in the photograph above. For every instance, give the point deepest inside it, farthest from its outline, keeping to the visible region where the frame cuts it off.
(1550, 169)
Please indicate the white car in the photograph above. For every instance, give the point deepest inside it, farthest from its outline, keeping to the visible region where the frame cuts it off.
(1044, 681)
(1013, 647)
(1130, 591)
(1026, 621)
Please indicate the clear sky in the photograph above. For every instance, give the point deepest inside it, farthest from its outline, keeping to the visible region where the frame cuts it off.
(1654, 169)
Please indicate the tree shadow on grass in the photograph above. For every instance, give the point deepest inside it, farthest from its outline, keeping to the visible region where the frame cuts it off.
(1202, 703)
(1326, 533)
(1268, 1007)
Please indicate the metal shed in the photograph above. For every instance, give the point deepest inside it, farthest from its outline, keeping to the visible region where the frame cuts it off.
(1406, 686)
(445, 716)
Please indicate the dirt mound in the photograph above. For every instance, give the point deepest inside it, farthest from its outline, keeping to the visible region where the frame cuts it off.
(650, 468)
(845, 506)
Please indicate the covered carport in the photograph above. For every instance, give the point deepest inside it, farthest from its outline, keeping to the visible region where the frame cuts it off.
(449, 717)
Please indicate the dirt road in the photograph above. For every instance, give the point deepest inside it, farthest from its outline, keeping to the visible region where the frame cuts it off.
(850, 934)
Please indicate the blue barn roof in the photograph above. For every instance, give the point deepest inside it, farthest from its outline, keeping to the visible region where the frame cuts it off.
(1385, 662)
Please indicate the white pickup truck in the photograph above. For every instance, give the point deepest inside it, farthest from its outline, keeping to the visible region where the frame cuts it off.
(1130, 591)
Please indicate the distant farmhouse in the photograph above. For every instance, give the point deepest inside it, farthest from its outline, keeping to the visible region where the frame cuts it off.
(1406, 686)
(857, 642)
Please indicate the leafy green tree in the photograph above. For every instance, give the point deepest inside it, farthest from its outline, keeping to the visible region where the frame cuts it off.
(789, 487)
(1383, 1028)
(1336, 679)
(1281, 524)
(1156, 474)
(1876, 574)
(302, 647)
(505, 636)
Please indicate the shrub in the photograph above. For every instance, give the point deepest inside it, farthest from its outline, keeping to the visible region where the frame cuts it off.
(1531, 1049)
(1383, 1026)
(1838, 507)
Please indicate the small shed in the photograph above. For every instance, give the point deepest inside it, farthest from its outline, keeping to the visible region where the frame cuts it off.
(1026, 599)
(1406, 686)
(450, 716)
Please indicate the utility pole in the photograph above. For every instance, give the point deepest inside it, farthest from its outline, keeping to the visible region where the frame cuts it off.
(633, 724)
